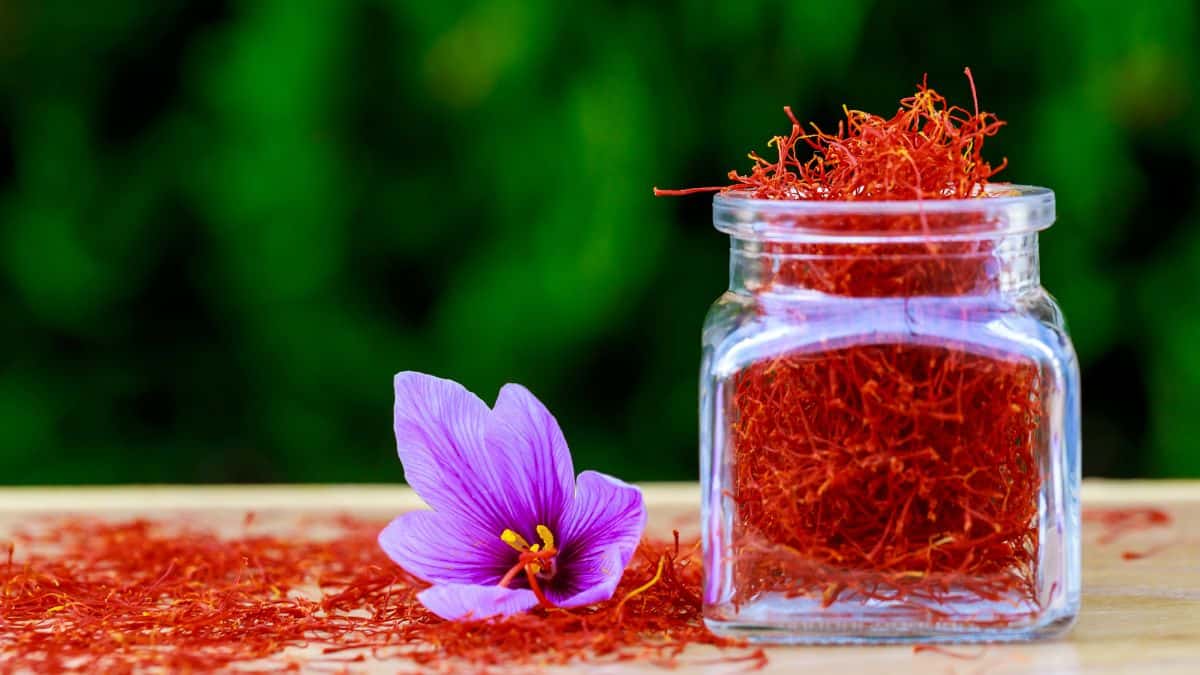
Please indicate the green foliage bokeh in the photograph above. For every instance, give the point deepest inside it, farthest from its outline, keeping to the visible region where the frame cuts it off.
(224, 225)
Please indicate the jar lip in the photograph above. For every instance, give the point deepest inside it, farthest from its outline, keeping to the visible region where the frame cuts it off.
(1010, 209)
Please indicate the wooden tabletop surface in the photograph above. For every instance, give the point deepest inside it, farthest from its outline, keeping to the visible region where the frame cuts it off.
(1141, 589)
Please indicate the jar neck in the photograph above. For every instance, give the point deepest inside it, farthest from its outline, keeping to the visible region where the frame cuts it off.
(1004, 265)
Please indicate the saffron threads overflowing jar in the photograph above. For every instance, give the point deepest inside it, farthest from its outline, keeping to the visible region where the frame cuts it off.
(889, 399)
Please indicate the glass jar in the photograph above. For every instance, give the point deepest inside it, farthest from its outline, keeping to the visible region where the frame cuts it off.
(889, 424)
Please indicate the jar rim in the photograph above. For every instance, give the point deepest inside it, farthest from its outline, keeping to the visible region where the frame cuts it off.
(1009, 209)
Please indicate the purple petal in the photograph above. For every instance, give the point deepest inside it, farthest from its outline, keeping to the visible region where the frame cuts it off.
(440, 430)
(443, 549)
(456, 602)
(526, 435)
(606, 513)
(593, 579)
(600, 532)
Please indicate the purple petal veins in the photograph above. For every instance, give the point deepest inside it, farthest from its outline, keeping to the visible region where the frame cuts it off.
(529, 439)
(411, 540)
(509, 520)
(459, 602)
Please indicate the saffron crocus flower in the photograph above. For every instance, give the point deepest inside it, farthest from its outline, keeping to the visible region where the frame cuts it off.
(511, 526)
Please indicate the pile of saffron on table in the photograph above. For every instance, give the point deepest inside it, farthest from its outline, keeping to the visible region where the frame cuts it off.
(84, 594)
(886, 469)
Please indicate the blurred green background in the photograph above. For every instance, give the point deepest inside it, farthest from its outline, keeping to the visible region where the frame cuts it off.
(225, 225)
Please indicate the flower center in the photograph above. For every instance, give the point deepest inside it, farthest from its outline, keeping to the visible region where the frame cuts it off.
(537, 561)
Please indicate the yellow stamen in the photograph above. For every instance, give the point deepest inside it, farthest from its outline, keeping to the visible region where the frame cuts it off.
(546, 535)
(535, 548)
(514, 540)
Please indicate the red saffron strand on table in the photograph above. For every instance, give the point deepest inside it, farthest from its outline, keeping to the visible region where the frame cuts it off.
(1117, 522)
(1139, 555)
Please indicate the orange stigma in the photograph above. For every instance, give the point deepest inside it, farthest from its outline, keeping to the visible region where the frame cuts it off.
(537, 560)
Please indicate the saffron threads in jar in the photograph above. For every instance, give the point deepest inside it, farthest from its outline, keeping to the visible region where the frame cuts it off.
(881, 468)
(904, 473)
(121, 597)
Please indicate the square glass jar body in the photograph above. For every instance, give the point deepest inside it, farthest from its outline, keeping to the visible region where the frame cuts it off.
(891, 467)
(850, 495)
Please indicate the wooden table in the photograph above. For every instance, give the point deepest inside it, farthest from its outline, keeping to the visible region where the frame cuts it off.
(1140, 614)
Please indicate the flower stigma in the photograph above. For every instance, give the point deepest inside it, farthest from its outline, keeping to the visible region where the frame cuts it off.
(536, 560)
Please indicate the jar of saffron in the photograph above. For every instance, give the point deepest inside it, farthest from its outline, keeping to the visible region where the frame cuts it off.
(889, 424)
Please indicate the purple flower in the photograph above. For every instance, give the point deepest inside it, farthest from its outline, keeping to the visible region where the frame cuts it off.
(511, 527)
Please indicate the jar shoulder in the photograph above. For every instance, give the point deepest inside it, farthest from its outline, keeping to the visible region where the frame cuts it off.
(742, 328)
(1040, 304)
(729, 313)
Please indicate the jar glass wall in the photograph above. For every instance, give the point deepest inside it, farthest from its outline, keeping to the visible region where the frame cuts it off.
(889, 424)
